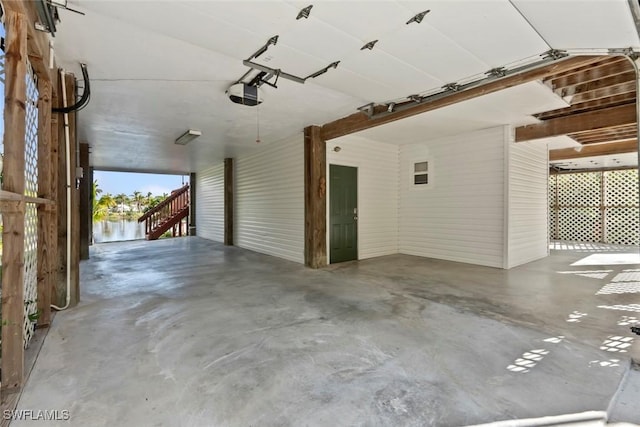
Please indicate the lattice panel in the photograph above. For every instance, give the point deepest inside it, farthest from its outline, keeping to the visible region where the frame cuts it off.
(30, 271)
(579, 189)
(31, 136)
(622, 226)
(31, 215)
(621, 188)
(580, 224)
(553, 216)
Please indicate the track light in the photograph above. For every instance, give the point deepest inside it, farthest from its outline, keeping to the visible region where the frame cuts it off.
(188, 136)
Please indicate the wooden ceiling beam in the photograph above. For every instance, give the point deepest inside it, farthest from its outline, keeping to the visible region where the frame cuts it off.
(628, 146)
(621, 67)
(598, 61)
(615, 134)
(360, 121)
(613, 101)
(605, 92)
(592, 120)
(597, 84)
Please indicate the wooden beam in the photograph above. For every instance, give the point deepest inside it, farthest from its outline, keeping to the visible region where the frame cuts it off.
(360, 121)
(614, 101)
(85, 203)
(45, 216)
(599, 119)
(619, 67)
(606, 135)
(605, 92)
(628, 146)
(14, 181)
(597, 84)
(53, 187)
(228, 202)
(192, 204)
(315, 198)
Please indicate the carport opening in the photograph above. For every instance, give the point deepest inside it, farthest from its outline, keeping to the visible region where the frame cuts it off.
(135, 206)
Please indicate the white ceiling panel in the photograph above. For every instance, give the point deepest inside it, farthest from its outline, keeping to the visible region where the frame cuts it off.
(319, 39)
(291, 61)
(500, 108)
(428, 50)
(389, 70)
(358, 86)
(365, 21)
(575, 24)
(493, 30)
(559, 142)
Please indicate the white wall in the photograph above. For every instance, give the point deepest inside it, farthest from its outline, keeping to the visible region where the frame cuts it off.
(377, 165)
(459, 215)
(210, 203)
(528, 176)
(269, 200)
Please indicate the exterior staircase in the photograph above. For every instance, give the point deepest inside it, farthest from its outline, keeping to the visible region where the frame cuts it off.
(167, 215)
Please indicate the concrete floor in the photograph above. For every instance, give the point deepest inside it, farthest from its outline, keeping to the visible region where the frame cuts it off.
(186, 332)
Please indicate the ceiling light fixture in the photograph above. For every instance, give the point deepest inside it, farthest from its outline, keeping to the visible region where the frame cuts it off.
(418, 18)
(188, 136)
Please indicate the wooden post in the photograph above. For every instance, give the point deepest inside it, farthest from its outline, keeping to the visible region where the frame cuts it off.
(13, 214)
(85, 202)
(45, 212)
(228, 202)
(55, 249)
(315, 198)
(192, 204)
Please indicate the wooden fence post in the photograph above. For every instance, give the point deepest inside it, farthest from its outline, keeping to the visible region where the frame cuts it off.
(13, 212)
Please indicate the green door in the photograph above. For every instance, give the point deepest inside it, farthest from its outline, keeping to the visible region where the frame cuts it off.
(343, 208)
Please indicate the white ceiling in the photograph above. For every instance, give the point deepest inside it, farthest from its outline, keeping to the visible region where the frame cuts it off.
(160, 67)
(609, 161)
(509, 106)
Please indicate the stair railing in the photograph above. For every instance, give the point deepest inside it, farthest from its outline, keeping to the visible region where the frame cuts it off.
(165, 210)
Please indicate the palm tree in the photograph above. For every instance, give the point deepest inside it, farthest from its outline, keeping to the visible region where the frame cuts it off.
(121, 199)
(101, 208)
(138, 199)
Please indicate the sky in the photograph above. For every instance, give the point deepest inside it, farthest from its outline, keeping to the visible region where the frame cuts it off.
(127, 183)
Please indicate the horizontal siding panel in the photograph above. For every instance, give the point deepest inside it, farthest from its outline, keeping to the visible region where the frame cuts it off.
(377, 165)
(269, 200)
(528, 203)
(459, 216)
(210, 203)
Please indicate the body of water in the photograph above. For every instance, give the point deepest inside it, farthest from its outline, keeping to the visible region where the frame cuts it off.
(117, 231)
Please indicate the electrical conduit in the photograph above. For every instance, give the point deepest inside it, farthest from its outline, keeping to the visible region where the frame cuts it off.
(68, 187)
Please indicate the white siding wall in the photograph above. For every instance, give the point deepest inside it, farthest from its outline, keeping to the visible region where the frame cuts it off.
(527, 204)
(210, 203)
(459, 216)
(377, 165)
(269, 200)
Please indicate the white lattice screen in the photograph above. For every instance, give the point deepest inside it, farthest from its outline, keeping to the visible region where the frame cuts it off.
(31, 214)
(595, 207)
